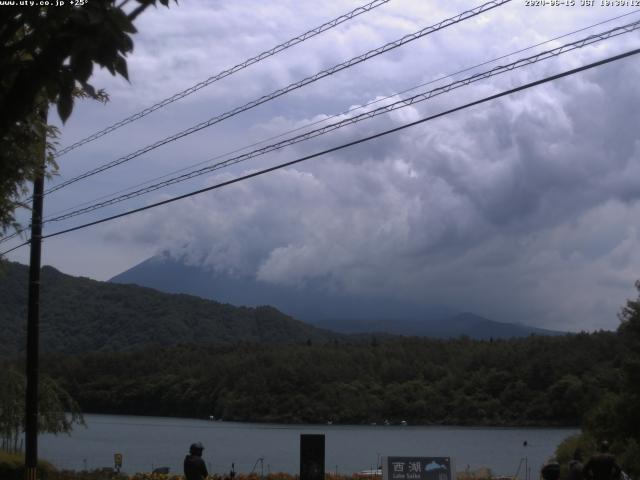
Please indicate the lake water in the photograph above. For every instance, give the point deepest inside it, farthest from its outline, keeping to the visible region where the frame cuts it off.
(150, 442)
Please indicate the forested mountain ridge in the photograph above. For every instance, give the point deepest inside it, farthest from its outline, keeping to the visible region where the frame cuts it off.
(531, 381)
(81, 315)
(453, 326)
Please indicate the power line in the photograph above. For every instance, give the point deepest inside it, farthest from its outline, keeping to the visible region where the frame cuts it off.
(15, 234)
(294, 86)
(73, 211)
(225, 73)
(324, 120)
(421, 97)
(15, 248)
(355, 142)
(345, 145)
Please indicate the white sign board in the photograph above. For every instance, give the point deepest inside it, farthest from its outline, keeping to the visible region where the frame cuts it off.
(418, 468)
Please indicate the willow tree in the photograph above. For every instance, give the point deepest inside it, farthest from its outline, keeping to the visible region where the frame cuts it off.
(57, 411)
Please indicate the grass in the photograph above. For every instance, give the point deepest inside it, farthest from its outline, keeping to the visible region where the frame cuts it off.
(12, 468)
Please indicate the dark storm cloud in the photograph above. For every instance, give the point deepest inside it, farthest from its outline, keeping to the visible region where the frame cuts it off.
(523, 209)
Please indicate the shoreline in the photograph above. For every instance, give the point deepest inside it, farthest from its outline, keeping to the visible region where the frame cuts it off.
(163, 441)
(394, 424)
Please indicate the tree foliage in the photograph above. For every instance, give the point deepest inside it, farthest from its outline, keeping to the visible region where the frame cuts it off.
(47, 57)
(57, 411)
(616, 416)
(422, 381)
(238, 364)
(78, 315)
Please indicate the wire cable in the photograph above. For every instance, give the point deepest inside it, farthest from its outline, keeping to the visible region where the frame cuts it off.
(324, 120)
(294, 86)
(421, 97)
(343, 146)
(15, 248)
(350, 144)
(15, 234)
(225, 73)
(57, 216)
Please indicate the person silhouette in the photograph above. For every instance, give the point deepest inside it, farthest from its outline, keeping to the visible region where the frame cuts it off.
(551, 471)
(575, 466)
(194, 467)
(602, 465)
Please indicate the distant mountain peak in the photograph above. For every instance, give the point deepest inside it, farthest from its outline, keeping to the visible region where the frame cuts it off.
(310, 303)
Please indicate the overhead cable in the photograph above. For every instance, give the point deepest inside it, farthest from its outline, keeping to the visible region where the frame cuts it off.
(324, 120)
(421, 97)
(324, 73)
(96, 201)
(350, 144)
(15, 248)
(15, 234)
(343, 146)
(225, 73)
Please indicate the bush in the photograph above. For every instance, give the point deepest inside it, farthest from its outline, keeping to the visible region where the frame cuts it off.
(627, 453)
(583, 441)
(629, 458)
(12, 467)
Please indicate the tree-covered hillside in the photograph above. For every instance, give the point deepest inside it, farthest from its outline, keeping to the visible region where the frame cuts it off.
(616, 416)
(534, 381)
(82, 315)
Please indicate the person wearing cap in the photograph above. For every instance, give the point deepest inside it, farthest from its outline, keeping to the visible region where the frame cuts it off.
(576, 466)
(551, 471)
(602, 466)
(194, 467)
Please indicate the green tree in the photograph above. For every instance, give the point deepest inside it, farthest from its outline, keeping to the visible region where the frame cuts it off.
(616, 417)
(627, 415)
(47, 57)
(58, 412)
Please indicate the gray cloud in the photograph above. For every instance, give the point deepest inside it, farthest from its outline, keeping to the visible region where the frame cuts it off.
(523, 209)
(499, 208)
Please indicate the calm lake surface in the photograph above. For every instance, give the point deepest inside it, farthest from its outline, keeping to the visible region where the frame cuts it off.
(150, 442)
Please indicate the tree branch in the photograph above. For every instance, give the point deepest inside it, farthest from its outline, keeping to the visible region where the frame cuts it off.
(137, 11)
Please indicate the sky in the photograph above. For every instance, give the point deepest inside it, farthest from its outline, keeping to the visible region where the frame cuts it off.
(522, 209)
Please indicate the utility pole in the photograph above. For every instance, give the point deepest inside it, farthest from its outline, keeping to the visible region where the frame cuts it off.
(33, 314)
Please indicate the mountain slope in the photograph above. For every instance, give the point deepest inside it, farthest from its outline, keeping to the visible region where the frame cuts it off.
(82, 315)
(320, 306)
(312, 302)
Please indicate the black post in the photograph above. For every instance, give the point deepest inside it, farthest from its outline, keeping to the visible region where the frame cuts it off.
(33, 320)
(312, 458)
